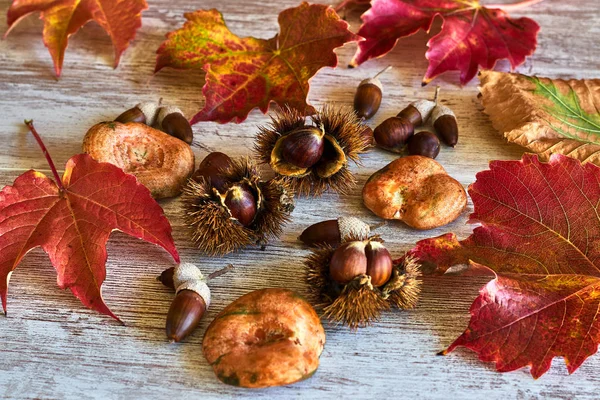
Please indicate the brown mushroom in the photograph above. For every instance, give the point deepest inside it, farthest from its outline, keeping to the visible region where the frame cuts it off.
(416, 190)
(269, 337)
(161, 162)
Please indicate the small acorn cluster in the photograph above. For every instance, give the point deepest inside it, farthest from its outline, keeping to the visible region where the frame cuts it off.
(168, 119)
(397, 133)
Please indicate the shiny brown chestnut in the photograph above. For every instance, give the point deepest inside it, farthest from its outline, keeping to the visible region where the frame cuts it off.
(425, 144)
(213, 167)
(303, 147)
(348, 261)
(241, 203)
(393, 133)
(379, 263)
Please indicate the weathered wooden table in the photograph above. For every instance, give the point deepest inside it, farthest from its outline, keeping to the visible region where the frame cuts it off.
(53, 347)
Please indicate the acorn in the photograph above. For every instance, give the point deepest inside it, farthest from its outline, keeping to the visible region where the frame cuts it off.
(354, 283)
(425, 144)
(444, 122)
(312, 154)
(212, 167)
(191, 301)
(368, 96)
(335, 231)
(171, 121)
(241, 203)
(393, 133)
(245, 210)
(142, 112)
(418, 112)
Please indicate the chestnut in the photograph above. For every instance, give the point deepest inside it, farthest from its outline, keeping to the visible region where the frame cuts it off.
(379, 263)
(212, 167)
(425, 144)
(393, 133)
(348, 261)
(241, 203)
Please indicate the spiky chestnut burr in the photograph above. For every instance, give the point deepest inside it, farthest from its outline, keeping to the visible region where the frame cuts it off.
(221, 224)
(332, 137)
(359, 303)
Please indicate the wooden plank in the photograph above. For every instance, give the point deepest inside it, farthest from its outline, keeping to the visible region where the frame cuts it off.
(54, 348)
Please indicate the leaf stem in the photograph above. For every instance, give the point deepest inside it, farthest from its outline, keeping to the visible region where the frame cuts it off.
(514, 6)
(37, 137)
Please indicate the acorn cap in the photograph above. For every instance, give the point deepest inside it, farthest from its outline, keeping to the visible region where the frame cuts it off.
(440, 111)
(164, 111)
(150, 110)
(425, 107)
(372, 81)
(187, 276)
(352, 228)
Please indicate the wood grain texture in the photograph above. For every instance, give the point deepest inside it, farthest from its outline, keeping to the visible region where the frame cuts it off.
(52, 347)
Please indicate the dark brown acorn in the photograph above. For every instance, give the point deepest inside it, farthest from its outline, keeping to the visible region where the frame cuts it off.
(171, 121)
(185, 313)
(379, 263)
(166, 277)
(393, 133)
(334, 232)
(368, 96)
(424, 144)
(142, 112)
(444, 122)
(418, 112)
(348, 261)
(214, 166)
(241, 203)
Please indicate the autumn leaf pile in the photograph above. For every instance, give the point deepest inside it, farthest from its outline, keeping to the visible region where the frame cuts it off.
(540, 235)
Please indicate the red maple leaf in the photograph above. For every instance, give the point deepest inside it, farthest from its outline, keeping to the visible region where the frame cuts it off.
(472, 36)
(119, 18)
(245, 73)
(71, 219)
(540, 235)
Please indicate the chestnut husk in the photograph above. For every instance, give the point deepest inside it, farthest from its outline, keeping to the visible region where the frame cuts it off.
(213, 228)
(359, 304)
(344, 140)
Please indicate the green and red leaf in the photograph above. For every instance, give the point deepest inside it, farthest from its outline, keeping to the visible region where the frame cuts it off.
(247, 73)
(540, 234)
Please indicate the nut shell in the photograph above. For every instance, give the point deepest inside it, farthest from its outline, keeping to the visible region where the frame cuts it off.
(185, 313)
(241, 204)
(161, 162)
(269, 337)
(214, 168)
(393, 133)
(424, 144)
(379, 263)
(348, 261)
(367, 98)
(416, 190)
